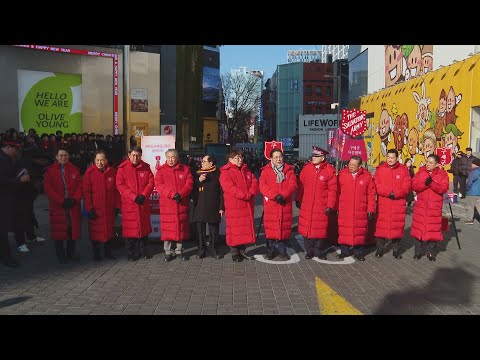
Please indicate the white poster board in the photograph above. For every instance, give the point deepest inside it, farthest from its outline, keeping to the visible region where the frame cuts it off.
(153, 153)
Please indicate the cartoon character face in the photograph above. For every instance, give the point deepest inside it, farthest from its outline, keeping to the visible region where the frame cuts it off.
(400, 131)
(384, 123)
(413, 141)
(393, 64)
(428, 145)
(414, 61)
(450, 100)
(451, 141)
(427, 65)
(442, 107)
(422, 112)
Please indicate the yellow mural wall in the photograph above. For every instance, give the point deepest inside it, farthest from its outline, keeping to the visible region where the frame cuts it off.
(428, 112)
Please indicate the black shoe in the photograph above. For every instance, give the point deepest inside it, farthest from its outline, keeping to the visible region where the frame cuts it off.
(431, 257)
(308, 256)
(237, 257)
(148, 256)
(182, 257)
(342, 255)
(360, 257)
(72, 258)
(269, 256)
(133, 257)
(322, 257)
(168, 258)
(200, 256)
(284, 257)
(379, 253)
(218, 257)
(417, 256)
(11, 263)
(397, 255)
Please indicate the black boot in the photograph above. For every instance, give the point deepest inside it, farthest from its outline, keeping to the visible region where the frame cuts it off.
(71, 250)
(96, 251)
(108, 251)
(60, 251)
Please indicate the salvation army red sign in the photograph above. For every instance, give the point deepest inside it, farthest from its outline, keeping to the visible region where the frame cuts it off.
(167, 130)
(445, 155)
(354, 147)
(354, 122)
(270, 145)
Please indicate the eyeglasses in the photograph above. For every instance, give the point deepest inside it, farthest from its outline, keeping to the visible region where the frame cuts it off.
(238, 157)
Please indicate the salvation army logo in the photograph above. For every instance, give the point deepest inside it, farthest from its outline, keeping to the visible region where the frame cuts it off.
(168, 130)
(397, 177)
(180, 176)
(73, 177)
(361, 182)
(109, 179)
(141, 175)
(321, 177)
(248, 177)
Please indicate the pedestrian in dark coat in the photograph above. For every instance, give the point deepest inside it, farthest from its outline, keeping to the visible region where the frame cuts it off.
(239, 187)
(464, 170)
(455, 170)
(9, 180)
(356, 208)
(393, 184)
(63, 186)
(102, 203)
(317, 200)
(208, 206)
(174, 183)
(430, 183)
(135, 184)
(278, 182)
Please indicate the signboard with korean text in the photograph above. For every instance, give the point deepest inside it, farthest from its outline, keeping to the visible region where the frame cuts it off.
(354, 147)
(154, 149)
(445, 155)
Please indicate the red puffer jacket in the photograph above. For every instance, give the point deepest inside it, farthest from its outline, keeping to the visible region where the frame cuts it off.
(427, 212)
(101, 194)
(54, 189)
(170, 180)
(239, 189)
(133, 181)
(316, 192)
(277, 219)
(391, 213)
(356, 200)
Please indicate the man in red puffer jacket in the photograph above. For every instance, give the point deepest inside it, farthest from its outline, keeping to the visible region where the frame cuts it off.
(393, 184)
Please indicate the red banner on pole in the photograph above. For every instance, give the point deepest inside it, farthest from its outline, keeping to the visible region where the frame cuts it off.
(354, 147)
(354, 122)
(445, 155)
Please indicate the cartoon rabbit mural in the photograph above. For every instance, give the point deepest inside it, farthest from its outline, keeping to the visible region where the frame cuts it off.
(423, 113)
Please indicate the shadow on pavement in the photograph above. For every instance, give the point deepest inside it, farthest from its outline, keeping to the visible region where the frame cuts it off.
(448, 286)
(13, 301)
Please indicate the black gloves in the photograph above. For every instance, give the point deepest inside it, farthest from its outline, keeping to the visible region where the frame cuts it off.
(280, 200)
(328, 211)
(428, 181)
(177, 198)
(391, 196)
(116, 211)
(92, 215)
(68, 203)
(298, 204)
(140, 199)
(370, 216)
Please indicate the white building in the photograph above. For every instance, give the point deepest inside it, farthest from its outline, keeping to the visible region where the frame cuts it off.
(337, 51)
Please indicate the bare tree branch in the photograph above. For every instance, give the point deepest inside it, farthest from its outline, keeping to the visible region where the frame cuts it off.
(241, 93)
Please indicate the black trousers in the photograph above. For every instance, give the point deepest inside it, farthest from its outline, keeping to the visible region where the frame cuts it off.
(97, 248)
(213, 230)
(314, 246)
(137, 247)
(425, 247)
(276, 245)
(239, 249)
(5, 253)
(358, 250)
(456, 182)
(382, 244)
(60, 249)
(463, 185)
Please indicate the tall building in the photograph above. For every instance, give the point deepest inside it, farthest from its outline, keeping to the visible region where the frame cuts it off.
(337, 52)
(211, 93)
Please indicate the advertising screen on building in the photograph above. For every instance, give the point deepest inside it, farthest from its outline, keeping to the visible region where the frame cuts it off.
(211, 84)
(50, 101)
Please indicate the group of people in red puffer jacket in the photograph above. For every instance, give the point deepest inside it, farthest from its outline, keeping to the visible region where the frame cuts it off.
(354, 199)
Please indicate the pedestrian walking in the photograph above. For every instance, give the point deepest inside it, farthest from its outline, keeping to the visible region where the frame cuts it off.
(464, 170)
(174, 183)
(473, 192)
(430, 183)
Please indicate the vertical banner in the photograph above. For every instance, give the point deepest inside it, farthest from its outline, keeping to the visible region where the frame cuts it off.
(49, 101)
(139, 130)
(154, 149)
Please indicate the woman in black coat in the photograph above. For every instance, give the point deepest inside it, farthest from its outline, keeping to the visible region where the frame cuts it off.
(208, 206)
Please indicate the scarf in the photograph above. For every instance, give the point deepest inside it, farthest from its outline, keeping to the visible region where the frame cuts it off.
(279, 172)
(212, 169)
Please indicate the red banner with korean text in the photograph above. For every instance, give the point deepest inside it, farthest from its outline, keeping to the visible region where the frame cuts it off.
(445, 155)
(354, 147)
